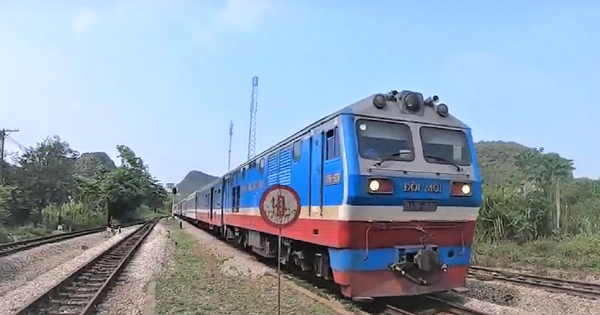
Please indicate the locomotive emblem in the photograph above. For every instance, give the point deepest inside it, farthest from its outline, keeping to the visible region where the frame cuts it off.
(415, 187)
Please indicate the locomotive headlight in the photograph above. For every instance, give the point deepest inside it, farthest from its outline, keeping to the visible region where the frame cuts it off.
(461, 189)
(374, 185)
(466, 189)
(380, 186)
(442, 110)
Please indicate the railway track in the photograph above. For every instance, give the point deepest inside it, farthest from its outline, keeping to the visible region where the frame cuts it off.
(85, 288)
(430, 305)
(14, 247)
(575, 288)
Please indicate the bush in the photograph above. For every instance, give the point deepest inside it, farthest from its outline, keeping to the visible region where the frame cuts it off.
(4, 235)
(569, 252)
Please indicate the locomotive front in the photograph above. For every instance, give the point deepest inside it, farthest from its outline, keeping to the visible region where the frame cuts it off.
(412, 198)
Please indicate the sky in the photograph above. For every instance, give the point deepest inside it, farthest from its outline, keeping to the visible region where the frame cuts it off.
(166, 77)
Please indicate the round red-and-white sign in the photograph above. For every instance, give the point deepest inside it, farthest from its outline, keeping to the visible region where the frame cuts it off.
(280, 206)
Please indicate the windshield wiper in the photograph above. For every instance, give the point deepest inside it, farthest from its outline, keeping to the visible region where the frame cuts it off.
(441, 159)
(389, 157)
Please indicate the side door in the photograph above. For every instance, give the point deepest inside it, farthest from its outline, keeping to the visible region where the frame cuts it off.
(333, 171)
(211, 203)
(226, 203)
(196, 206)
(223, 200)
(316, 173)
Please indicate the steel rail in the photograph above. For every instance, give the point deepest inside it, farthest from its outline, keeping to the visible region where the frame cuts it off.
(453, 308)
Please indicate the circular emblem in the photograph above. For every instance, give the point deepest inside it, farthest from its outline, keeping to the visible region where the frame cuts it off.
(280, 206)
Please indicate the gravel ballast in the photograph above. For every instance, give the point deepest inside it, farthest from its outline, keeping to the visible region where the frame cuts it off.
(129, 295)
(520, 300)
(21, 267)
(39, 269)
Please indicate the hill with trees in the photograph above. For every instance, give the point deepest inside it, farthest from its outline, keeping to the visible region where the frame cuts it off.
(534, 211)
(498, 162)
(101, 158)
(193, 181)
(51, 184)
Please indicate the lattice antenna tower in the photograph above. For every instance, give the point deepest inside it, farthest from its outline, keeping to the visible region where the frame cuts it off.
(253, 111)
(230, 138)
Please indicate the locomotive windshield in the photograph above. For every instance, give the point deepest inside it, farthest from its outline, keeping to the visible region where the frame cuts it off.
(445, 144)
(380, 140)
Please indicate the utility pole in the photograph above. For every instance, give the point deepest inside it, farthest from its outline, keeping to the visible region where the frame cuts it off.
(174, 192)
(3, 134)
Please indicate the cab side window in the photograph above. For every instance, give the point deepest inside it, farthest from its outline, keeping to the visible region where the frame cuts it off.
(333, 144)
(297, 150)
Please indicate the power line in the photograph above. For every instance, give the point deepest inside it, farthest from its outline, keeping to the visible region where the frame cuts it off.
(3, 134)
(16, 143)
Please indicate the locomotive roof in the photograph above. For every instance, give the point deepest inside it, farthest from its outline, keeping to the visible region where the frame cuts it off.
(393, 111)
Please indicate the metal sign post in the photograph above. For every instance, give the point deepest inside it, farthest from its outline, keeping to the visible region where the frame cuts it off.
(280, 208)
(279, 274)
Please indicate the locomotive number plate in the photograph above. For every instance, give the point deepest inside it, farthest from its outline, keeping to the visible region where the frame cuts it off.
(428, 206)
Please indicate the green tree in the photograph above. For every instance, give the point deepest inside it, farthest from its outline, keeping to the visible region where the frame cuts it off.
(547, 172)
(5, 200)
(44, 176)
(130, 186)
(51, 184)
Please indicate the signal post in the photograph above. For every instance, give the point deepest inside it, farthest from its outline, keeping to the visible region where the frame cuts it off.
(280, 208)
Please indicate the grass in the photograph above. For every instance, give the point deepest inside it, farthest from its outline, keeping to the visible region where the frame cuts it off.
(569, 252)
(195, 285)
(146, 213)
(22, 232)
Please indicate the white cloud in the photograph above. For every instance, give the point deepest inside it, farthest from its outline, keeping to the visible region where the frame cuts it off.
(83, 20)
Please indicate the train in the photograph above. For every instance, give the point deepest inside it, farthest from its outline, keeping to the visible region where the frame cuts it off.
(389, 189)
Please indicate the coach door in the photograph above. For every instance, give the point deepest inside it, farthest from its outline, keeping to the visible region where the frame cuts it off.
(222, 202)
(316, 173)
(211, 203)
(196, 205)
